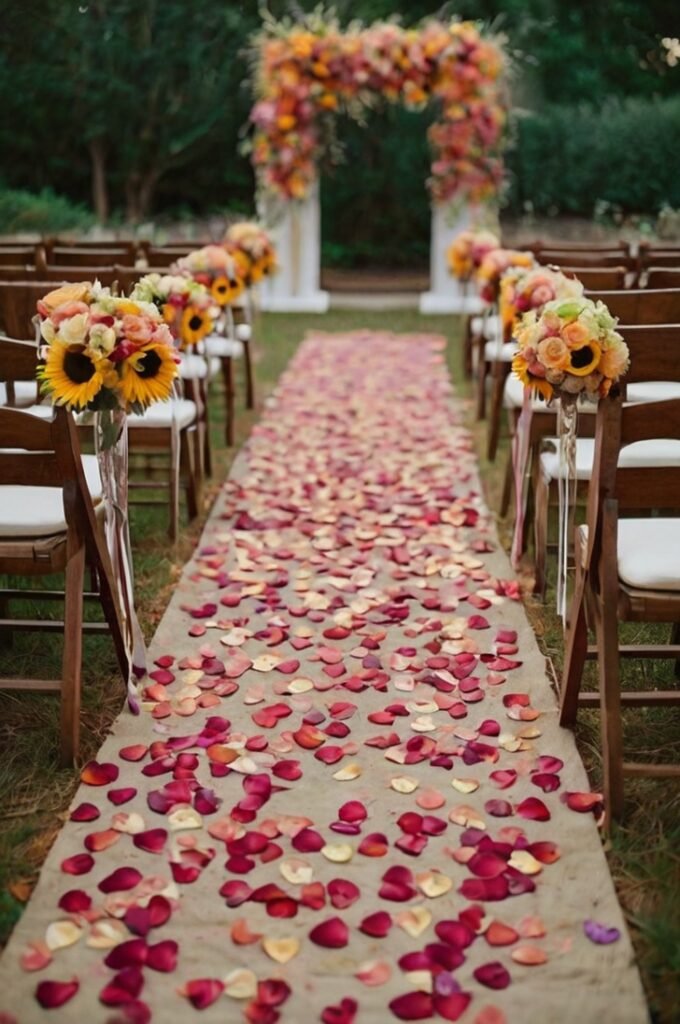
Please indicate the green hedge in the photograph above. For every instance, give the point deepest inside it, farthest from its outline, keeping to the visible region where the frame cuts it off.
(624, 152)
(45, 211)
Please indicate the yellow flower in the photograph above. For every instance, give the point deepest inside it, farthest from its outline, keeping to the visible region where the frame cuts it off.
(520, 367)
(71, 376)
(196, 323)
(125, 307)
(147, 375)
(225, 290)
(584, 359)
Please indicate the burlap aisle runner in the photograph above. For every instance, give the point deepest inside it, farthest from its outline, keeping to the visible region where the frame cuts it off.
(347, 797)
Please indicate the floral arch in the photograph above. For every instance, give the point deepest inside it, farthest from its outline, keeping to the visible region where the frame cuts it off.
(304, 73)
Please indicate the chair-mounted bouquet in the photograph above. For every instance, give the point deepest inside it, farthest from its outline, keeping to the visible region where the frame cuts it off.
(525, 289)
(493, 266)
(216, 269)
(467, 251)
(187, 307)
(253, 250)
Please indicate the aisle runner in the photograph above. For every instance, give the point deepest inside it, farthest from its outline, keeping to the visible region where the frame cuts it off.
(349, 799)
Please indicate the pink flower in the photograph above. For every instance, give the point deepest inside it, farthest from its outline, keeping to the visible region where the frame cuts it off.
(137, 329)
(67, 310)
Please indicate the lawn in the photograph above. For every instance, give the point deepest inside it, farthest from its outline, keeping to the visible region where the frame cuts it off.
(644, 853)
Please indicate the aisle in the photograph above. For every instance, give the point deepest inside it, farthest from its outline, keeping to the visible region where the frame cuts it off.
(348, 786)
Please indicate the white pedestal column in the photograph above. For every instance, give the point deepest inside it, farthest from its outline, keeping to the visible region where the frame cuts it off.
(446, 294)
(296, 230)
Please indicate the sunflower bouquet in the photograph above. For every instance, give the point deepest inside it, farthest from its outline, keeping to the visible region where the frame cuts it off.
(522, 289)
(186, 306)
(103, 351)
(492, 267)
(570, 348)
(253, 250)
(216, 269)
(467, 251)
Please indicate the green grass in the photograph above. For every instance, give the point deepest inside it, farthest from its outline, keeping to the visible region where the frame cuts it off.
(643, 853)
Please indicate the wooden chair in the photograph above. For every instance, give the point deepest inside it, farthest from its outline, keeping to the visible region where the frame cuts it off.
(600, 278)
(106, 275)
(128, 245)
(569, 245)
(660, 256)
(166, 255)
(663, 277)
(637, 308)
(72, 256)
(627, 569)
(18, 255)
(50, 509)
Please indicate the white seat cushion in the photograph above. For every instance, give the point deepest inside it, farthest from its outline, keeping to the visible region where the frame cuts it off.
(45, 411)
(649, 553)
(505, 352)
(223, 348)
(25, 393)
(653, 391)
(243, 332)
(39, 511)
(490, 329)
(196, 367)
(161, 414)
(663, 452)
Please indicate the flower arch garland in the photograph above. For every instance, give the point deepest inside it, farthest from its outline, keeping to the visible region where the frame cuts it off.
(305, 72)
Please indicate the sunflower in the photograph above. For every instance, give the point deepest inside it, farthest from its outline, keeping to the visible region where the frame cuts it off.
(147, 375)
(584, 359)
(520, 368)
(71, 376)
(196, 323)
(225, 290)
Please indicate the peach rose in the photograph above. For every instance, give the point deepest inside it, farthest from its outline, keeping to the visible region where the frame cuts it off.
(575, 333)
(137, 329)
(554, 354)
(68, 293)
(614, 361)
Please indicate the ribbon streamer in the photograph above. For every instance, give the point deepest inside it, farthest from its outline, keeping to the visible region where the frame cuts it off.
(111, 447)
(567, 418)
(520, 458)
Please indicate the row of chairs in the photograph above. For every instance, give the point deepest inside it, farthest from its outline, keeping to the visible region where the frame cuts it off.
(56, 252)
(189, 416)
(628, 463)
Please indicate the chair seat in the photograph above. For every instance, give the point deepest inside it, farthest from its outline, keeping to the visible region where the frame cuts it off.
(649, 553)
(39, 511)
(162, 414)
(491, 329)
(196, 367)
(652, 391)
(663, 452)
(25, 393)
(223, 348)
(505, 352)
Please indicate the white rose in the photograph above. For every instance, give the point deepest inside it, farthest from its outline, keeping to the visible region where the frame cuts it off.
(102, 339)
(74, 330)
(47, 331)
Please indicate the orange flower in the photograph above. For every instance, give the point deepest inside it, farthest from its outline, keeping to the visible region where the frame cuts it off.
(575, 334)
(614, 361)
(554, 354)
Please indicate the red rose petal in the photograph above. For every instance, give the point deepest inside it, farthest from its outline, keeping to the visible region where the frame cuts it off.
(153, 840)
(52, 994)
(162, 956)
(121, 796)
(95, 774)
(343, 893)
(376, 925)
(413, 1006)
(131, 953)
(79, 864)
(85, 812)
(202, 992)
(452, 1006)
(120, 880)
(493, 975)
(332, 933)
(75, 901)
(533, 809)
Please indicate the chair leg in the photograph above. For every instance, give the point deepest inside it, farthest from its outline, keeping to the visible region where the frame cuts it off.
(228, 376)
(675, 639)
(482, 371)
(250, 378)
(6, 635)
(73, 650)
(506, 494)
(173, 495)
(541, 535)
(191, 482)
(467, 348)
(575, 650)
(499, 374)
(611, 725)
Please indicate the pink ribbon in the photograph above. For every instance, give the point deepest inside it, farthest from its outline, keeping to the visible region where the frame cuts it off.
(520, 457)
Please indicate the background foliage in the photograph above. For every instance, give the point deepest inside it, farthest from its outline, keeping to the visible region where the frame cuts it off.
(135, 108)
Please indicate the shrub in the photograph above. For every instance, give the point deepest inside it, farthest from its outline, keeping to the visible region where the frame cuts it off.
(623, 153)
(22, 211)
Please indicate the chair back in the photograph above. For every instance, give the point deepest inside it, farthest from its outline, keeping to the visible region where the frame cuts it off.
(660, 255)
(72, 256)
(566, 245)
(600, 278)
(127, 277)
(106, 275)
(587, 258)
(663, 277)
(641, 305)
(18, 273)
(11, 256)
(18, 306)
(654, 352)
(166, 255)
(18, 362)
